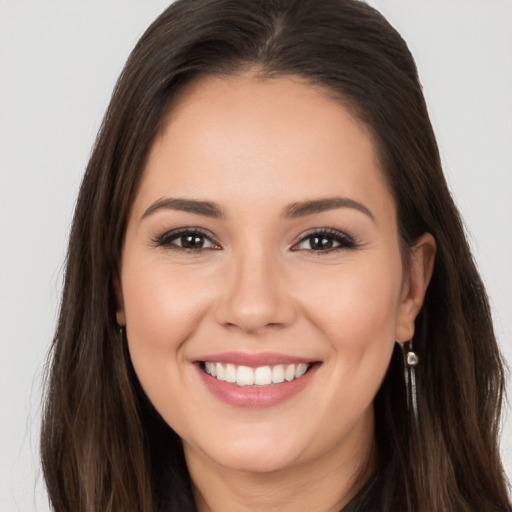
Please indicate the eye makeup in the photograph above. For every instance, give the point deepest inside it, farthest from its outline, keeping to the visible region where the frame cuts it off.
(196, 239)
(325, 240)
(189, 239)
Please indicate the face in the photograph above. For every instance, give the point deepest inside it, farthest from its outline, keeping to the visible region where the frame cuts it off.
(262, 285)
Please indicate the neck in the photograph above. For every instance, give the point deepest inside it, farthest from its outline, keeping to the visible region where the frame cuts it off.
(325, 484)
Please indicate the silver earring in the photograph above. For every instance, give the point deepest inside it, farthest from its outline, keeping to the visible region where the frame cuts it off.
(411, 360)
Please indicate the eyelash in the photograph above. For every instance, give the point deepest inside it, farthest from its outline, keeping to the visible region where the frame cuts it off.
(345, 241)
(166, 240)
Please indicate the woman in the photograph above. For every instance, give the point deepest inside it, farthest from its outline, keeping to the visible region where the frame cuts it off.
(263, 217)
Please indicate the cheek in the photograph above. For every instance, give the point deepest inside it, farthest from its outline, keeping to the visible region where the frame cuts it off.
(163, 308)
(357, 306)
(356, 311)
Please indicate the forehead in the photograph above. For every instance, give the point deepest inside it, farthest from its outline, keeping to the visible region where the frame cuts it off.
(231, 136)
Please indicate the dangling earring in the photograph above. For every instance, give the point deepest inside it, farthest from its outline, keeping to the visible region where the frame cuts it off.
(410, 360)
(122, 330)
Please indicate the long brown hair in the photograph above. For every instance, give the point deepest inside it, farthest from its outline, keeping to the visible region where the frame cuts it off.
(104, 447)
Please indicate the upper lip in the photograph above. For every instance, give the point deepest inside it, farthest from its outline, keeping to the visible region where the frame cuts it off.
(254, 360)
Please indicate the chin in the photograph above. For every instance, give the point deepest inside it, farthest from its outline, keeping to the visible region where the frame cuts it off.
(246, 456)
(255, 462)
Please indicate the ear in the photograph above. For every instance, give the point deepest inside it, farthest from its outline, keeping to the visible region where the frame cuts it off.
(118, 291)
(419, 272)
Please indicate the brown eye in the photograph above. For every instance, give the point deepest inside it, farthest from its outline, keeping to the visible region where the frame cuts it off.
(192, 241)
(325, 241)
(320, 243)
(186, 239)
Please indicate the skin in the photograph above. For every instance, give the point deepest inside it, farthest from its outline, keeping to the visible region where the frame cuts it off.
(254, 147)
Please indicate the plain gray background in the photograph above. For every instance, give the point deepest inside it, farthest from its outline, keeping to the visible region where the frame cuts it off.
(58, 64)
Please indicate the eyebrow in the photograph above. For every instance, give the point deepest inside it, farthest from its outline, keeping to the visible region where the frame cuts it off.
(205, 208)
(292, 211)
(303, 208)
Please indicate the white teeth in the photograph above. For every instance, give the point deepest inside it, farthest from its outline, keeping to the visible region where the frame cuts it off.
(230, 373)
(221, 373)
(301, 370)
(245, 376)
(278, 374)
(211, 369)
(261, 376)
(289, 373)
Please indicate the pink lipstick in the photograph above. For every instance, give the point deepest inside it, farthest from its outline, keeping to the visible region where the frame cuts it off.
(255, 380)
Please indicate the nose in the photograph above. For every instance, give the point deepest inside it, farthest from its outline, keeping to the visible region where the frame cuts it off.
(255, 296)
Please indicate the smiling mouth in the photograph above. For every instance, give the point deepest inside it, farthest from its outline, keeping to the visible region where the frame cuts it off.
(262, 376)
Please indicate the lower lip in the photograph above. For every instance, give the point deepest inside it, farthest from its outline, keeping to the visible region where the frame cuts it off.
(256, 397)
